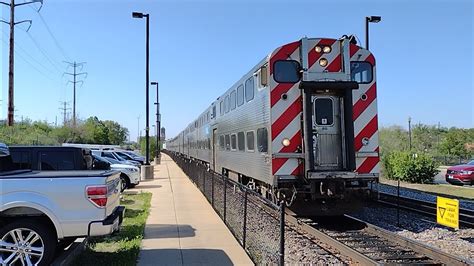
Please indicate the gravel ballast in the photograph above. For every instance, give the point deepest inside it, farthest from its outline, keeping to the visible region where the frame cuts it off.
(420, 228)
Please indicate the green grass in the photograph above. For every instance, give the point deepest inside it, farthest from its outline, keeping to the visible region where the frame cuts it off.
(123, 247)
(440, 189)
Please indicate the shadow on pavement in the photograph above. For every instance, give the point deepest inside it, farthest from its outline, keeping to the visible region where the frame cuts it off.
(169, 231)
(184, 257)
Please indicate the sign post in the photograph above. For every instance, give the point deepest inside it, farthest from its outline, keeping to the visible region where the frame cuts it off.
(447, 212)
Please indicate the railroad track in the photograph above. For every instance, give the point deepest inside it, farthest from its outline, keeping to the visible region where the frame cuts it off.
(466, 216)
(368, 244)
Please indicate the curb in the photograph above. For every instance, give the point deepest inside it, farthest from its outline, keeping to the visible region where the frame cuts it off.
(68, 255)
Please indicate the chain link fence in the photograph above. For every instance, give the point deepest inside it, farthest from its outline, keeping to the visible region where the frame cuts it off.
(452, 160)
(256, 223)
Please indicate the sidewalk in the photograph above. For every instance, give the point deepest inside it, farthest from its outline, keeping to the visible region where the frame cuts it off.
(182, 228)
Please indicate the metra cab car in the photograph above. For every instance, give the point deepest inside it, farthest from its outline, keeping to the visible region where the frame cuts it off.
(461, 174)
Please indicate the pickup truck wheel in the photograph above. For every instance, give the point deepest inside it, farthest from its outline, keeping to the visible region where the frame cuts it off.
(125, 182)
(26, 242)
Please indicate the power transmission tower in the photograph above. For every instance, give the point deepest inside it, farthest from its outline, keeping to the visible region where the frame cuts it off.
(12, 23)
(74, 82)
(64, 110)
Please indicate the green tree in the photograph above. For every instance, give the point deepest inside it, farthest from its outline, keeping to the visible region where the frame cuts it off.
(95, 132)
(454, 142)
(116, 133)
(393, 138)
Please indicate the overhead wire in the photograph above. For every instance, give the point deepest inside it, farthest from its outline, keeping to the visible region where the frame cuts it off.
(29, 55)
(38, 46)
(28, 62)
(56, 42)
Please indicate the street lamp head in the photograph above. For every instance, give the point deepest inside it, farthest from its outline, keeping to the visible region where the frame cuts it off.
(137, 15)
(154, 83)
(374, 19)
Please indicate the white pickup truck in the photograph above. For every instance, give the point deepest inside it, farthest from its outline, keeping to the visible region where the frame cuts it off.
(38, 209)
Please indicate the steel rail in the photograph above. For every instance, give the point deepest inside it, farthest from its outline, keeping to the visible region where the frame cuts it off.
(340, 247)
(419, 247)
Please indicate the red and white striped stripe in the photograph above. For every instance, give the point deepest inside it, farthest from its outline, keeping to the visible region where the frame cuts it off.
(365, 116)
(285, 114)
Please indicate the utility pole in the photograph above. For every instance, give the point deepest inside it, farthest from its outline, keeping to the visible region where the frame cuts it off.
(74, 82)
(64, 109)
(11, 68)
(138, 130)
(409, 132)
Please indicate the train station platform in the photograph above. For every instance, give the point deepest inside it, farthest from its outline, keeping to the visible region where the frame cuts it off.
(183, 228)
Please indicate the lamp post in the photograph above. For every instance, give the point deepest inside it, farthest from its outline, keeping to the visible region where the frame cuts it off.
(373, 19)
(147, 126)
(158, 124)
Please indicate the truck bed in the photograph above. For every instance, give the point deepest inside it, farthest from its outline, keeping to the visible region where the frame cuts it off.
(23, 174)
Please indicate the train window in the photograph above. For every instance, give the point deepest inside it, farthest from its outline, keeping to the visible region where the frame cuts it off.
(232, 100)
(221, 107)
(249, 89)
(361, 72)
(233, 142)
(250, 141)
(286, 71)
(241, 141)
(262, 139)
(227, 104)
(324, 111)
(221, 142)
(240, 95)
(227, 142)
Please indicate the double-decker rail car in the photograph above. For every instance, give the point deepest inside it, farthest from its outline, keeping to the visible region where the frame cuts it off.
(300, 125)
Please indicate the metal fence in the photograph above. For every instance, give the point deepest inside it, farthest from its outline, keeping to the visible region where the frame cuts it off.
(256, 223)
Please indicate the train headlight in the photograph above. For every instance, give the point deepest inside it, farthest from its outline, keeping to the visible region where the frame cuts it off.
(318, 49)
(286, 142)
(323, 62)
(327, 49)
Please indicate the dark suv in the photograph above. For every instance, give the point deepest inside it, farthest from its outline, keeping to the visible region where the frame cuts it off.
(49, 158)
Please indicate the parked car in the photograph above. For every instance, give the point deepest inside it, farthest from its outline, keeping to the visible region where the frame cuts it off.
(461, 174)
(130, 174)
(113, 155)
(54, 158)
(127, 156)
(41, 209)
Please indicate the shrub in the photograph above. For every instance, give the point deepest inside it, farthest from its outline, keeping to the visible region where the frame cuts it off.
(413, 168)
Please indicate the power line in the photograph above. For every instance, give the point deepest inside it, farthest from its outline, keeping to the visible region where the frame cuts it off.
(43, 52)
(29, 55)
(52, 36)
(29, 63)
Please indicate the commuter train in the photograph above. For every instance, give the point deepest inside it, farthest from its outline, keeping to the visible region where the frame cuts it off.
(300, 125)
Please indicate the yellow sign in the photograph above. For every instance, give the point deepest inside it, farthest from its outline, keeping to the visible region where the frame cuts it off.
(447, 212)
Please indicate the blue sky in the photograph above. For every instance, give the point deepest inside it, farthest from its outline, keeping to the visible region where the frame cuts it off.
(199, 48)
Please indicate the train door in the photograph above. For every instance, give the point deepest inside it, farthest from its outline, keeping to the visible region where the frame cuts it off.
(214, 148)
(328, 132)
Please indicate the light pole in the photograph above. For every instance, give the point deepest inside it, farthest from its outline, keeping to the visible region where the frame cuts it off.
(373, 19)
(147, 126)
(158, 125)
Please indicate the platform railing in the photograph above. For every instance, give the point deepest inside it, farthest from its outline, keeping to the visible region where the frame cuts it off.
(257, 223)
